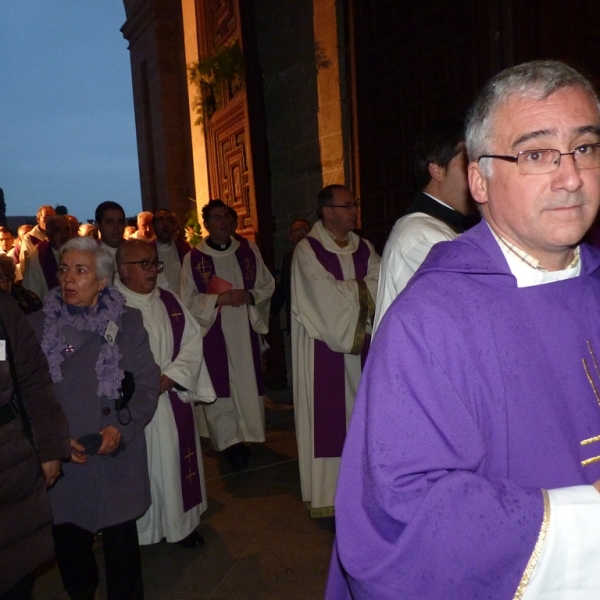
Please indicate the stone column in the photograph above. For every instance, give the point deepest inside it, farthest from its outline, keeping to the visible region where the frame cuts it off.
(331, 137)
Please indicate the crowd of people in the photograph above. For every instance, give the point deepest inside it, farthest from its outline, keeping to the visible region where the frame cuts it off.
(456, 451)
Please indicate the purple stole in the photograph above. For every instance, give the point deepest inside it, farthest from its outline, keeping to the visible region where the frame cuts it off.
(182, 248)
(183, 413)
(215, 348)
(48, 263)
(328, 369)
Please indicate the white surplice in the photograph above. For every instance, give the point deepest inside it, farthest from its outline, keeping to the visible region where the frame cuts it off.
(325, 309)
(241, 417)
(34, 279)
(28, 245)
(166, 517)
(168, 254)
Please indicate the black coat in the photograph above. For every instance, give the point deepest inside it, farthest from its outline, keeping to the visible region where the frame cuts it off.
(25, 517)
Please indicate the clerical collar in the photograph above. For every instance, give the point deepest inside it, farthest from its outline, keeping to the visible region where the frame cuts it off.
(341, 242)
(434, 207)
(528, 271)
(218, 247)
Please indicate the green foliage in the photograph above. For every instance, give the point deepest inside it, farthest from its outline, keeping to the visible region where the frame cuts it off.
(217, 77)
(193, 232)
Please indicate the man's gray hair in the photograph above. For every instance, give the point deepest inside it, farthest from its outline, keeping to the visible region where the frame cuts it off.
(537, 79)
(102, 257)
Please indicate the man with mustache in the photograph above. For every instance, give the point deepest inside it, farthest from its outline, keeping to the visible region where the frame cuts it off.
(174, 456)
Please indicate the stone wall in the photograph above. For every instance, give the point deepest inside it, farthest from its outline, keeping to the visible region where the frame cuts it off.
(301, 85)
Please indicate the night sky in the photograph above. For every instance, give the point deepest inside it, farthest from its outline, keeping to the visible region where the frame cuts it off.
(67, 132)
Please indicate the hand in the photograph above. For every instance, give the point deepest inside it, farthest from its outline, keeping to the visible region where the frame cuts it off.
(166, 383)
(51, 471)
(597, 485)
(233, 298)
(78, 455)
(111, 438)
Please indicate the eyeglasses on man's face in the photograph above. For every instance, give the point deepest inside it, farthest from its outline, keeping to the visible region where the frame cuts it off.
(542, 161)
(147, 265)
(224, 217)
(347, 205)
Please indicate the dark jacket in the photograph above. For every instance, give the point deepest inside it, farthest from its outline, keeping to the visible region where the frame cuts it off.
(107, 490)
(25, 517)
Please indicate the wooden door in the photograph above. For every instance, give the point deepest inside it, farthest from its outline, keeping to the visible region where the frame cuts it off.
(415, 62)
(234, 133)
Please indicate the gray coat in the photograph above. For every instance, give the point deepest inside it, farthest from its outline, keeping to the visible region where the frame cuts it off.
(107, 490)
(25, 517)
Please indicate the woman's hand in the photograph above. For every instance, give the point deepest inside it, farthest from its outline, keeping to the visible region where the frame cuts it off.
(51, 471)
(111, 438)
(78, 455)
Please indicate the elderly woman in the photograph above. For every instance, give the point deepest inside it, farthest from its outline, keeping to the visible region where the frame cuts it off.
(26, 299)
(108, 384)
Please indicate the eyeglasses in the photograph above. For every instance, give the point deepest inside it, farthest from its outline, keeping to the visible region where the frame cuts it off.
(347, 206)
(539, 162)
(225, 217)
(147, 265)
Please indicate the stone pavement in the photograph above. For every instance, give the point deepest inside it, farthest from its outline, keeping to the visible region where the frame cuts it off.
(261, 543)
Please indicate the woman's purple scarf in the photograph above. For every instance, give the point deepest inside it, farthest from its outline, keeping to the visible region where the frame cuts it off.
(110, 306)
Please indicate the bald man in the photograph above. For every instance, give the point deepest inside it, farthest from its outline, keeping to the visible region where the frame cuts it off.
(174, 453)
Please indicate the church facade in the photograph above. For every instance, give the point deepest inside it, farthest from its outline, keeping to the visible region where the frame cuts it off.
(292, 95)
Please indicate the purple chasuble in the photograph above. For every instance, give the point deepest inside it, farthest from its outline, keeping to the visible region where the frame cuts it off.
(215, 354)
(328, 368)
(476, 395)
(191, 489)
(48, 263)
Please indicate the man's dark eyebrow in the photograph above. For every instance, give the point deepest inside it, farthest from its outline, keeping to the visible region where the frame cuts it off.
(532, 135)
(595, 129)
(62, 264)
(589, 129)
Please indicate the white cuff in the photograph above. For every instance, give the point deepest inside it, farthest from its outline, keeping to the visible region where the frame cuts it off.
(569, 564)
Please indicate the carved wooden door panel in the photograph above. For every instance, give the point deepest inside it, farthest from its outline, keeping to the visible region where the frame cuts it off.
(231, 152)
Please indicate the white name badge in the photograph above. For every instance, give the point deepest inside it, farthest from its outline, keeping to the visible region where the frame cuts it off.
(2, 350)
(111, 332)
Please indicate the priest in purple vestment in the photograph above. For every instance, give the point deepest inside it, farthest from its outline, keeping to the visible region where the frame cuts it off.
(472, 461)
(42, 265)
(334, 282)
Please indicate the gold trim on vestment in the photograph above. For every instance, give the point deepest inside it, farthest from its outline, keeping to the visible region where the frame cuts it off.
(363, 315)
(590, 440)
(320, 513)
(537, 550)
